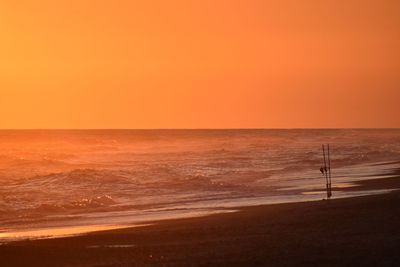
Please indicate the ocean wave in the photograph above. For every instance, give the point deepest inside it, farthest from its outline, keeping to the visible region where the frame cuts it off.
(85, 204)
(80, 177)
(71, 172)
(57, 207)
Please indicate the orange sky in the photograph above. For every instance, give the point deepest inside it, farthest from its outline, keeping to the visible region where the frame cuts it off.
(199, 64)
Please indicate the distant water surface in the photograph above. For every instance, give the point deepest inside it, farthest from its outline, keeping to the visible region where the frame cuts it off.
(59, 178)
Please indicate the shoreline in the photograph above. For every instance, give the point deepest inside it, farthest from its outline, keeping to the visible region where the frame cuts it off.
(356, 231)
(374, 186)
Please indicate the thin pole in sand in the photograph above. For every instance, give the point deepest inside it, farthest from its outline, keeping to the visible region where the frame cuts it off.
(329, 173)
(326, 171)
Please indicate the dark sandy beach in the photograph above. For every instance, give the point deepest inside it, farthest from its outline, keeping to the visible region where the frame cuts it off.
(359, 231)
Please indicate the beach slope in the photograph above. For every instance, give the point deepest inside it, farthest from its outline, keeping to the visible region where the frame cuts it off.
(359, 231)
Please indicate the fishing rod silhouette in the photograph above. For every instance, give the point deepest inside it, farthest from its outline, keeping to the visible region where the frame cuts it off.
(326, 171)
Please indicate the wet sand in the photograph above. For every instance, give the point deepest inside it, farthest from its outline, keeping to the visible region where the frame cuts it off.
(359, 231)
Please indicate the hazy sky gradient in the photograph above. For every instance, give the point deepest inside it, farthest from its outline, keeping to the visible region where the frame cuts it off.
(199, 64)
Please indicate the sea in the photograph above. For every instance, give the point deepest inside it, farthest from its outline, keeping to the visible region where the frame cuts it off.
(65, 182)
